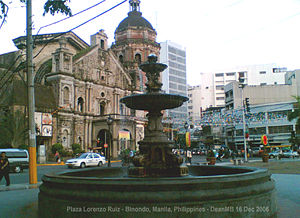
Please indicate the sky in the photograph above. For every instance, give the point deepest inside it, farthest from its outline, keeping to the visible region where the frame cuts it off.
(217, 34)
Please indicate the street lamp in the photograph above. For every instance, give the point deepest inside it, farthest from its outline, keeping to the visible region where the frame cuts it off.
(109, 122)
(186, 126)
(242, 85)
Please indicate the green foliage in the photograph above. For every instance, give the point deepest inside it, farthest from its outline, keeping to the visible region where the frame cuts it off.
(76, 148)
(25, 147)
(210, 153)
(51, 6)
(57, 147)
(57, 6)
(295, 115)
(124, 155)
(13, 128)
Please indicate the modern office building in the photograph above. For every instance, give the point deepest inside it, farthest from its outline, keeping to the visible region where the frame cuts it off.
(266, 74)
(174, 77)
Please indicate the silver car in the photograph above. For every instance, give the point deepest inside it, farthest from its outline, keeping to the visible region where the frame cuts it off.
(86, 160)
(289, 154)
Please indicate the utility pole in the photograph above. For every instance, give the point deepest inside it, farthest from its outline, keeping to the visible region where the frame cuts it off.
(242, 85)
(31, 103)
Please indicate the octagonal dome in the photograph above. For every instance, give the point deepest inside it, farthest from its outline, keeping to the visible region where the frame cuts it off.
(134, 19)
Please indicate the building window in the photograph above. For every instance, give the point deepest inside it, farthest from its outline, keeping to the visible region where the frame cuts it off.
(121, 59)
(80, 104)
(66, 95)
(102, 43)
(219, 87)
(220, 98)
(242, 74)
(230, 74)
(263, 84)
(262, 72)
(138, 58)
(280, 129)
(219, 74)
(102, 108)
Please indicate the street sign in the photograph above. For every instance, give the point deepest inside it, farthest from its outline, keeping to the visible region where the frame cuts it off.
(264, 139)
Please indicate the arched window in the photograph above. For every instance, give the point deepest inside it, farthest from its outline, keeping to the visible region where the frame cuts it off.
(102, 43)
(121, 58)
(80, 104)
(65, 139)
(138, 58)
(102, 108)
(66, 95)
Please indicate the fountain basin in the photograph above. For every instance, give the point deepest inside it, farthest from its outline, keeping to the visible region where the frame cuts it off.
(153, 101)
(209, 191)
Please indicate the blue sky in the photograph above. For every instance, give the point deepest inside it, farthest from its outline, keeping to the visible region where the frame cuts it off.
(217, 34)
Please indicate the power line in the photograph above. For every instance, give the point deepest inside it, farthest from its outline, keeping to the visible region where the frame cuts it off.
(5, 15)
(50, 40)
(71, 16)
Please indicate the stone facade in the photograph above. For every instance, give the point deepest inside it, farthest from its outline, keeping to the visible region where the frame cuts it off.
(88, 81)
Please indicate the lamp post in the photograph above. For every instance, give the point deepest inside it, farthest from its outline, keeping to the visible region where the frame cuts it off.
(242, 85)
(109, 122)
(186, 126)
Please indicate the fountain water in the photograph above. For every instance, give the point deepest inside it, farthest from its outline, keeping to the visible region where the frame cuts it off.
(158, 185)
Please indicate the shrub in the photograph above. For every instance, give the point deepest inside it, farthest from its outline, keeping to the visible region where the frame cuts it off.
(76, 148)
(57, 147)
(25, 147)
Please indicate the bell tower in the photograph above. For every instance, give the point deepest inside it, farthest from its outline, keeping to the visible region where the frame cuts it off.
(135, 40)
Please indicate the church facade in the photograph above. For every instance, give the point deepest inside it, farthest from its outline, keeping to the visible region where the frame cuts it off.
(79, 86)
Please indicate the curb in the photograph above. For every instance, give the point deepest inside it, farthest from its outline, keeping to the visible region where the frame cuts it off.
(14, 187)
(62, 163)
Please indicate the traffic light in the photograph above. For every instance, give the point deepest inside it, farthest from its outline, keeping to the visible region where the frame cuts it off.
(247, 105)
(293, 134)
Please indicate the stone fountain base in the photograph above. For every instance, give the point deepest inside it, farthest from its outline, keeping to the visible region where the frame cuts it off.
(209, 191)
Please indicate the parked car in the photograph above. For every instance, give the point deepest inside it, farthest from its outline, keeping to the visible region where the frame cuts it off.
(256, 151)
(196, 152)
(86, 160)
(289, 154)
(274, 154)
(18, 159)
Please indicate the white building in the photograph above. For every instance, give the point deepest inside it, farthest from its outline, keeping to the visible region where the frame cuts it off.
(200, 98)
(174, 77)
(267, 74)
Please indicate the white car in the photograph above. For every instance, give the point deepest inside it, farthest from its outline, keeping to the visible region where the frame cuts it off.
(86, 160)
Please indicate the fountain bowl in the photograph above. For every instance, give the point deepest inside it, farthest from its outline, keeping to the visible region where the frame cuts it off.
(153, 101)
(209, 191)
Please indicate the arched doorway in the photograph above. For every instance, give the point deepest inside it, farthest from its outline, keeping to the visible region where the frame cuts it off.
(104, 138)
(124, 139)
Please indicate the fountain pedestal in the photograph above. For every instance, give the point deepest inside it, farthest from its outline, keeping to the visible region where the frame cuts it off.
(155, 158)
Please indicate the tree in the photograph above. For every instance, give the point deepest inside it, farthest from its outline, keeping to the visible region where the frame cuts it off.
(13, 129)
(51, 6)
(295, 115)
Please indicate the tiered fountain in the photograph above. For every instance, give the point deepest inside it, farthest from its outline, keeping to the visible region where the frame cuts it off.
(158, 185)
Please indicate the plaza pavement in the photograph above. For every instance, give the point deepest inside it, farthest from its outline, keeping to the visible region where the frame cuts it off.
(21, 200)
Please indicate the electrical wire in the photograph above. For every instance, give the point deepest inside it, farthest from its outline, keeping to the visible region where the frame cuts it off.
(71, 16)
(50, 40)
(5, 15)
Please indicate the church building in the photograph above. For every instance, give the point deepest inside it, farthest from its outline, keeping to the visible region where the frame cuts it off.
(79, 86)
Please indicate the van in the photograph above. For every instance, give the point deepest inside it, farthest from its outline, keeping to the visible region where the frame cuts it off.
(18, 159)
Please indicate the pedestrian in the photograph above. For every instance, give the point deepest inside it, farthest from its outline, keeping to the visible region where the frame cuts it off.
(189, 156)
(57, 157)
(4, 168)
